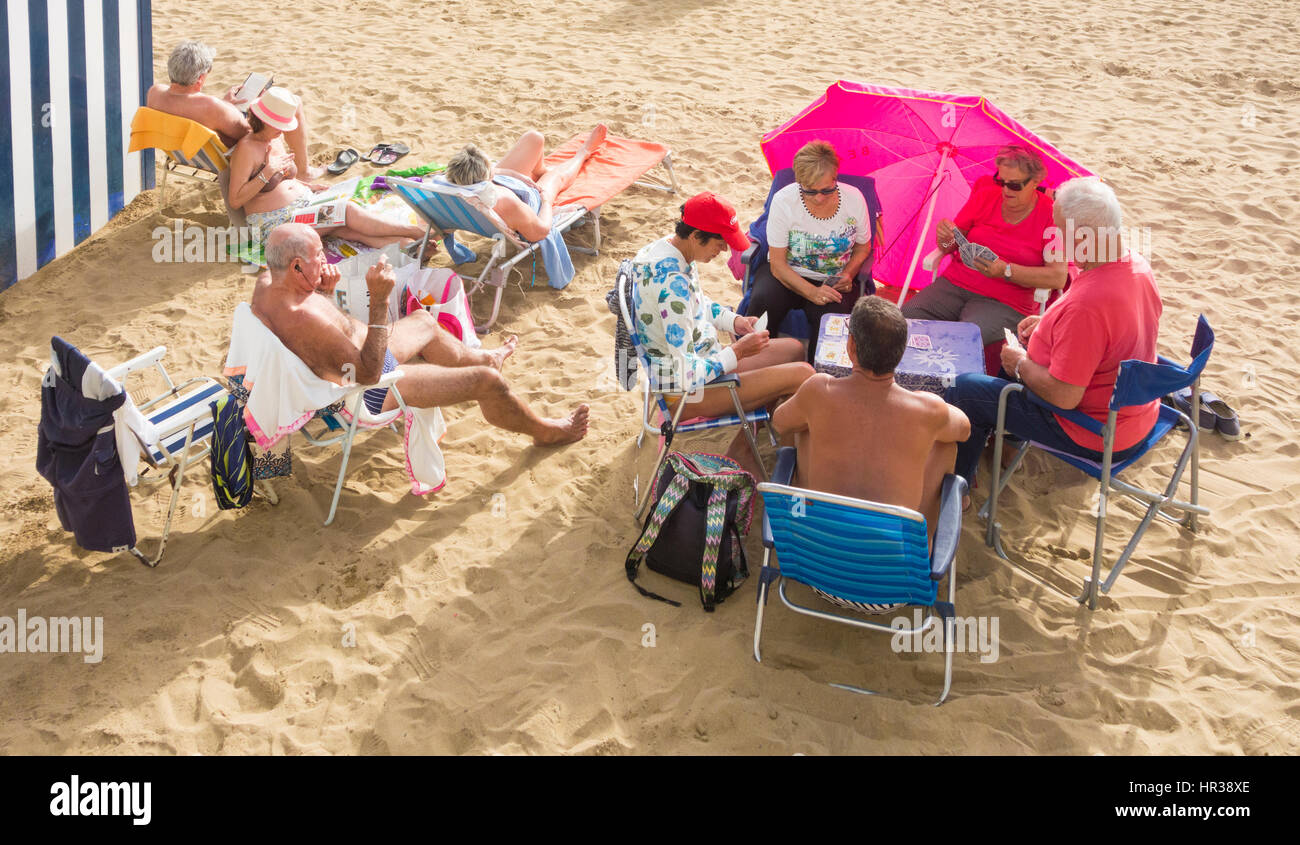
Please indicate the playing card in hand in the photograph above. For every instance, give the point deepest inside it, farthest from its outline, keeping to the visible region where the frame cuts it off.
(970, 251)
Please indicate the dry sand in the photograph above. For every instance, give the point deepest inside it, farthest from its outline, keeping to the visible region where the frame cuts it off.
(516, 631)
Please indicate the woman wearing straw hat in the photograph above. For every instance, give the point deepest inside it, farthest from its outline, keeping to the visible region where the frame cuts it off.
(264, 183)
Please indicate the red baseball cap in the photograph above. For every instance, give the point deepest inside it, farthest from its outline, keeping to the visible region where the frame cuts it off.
(709, 212)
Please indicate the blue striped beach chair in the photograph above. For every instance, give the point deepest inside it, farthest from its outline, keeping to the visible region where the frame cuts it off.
(859, 555)
(192, 150)
(670, 422)
(1138, 383)
(182, 431)
(451, 208)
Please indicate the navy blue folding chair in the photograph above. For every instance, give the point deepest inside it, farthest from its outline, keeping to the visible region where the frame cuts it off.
(796, 323)
(1138, 383)
(860, 555)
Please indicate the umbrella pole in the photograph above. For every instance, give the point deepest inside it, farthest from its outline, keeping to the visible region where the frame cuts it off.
(925, 227)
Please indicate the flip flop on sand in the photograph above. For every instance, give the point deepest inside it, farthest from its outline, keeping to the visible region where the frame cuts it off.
(343, 161)
(389, 154)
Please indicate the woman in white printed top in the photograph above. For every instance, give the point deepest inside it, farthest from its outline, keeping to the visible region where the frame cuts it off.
(818, 238)
(677, 324)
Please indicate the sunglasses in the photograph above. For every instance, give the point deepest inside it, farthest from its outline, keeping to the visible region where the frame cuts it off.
(1006, 183)
(825, 192)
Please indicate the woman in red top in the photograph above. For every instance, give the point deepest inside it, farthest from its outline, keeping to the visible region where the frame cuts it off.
(1007, 214)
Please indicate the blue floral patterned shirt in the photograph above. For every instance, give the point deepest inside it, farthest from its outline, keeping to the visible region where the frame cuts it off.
(676, 323)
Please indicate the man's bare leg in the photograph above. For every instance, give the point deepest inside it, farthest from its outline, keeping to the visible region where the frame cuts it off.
(942, 460)
(430, 385)
(419, 334)
(757, 388)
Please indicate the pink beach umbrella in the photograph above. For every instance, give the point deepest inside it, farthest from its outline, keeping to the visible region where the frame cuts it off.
(924, 150)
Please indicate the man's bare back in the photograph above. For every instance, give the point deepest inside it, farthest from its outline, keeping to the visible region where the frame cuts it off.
(867, 437)
(218, 115)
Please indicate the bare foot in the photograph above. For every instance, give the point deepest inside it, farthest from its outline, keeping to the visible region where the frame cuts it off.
(595, 139)
(569, 430)
(497, 357)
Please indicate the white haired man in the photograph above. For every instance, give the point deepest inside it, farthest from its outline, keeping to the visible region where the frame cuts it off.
(187, 69)
(437, 369)
(1111, 313)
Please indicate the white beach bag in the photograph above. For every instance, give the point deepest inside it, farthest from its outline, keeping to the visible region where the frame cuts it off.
(353, 297)
(441, 292)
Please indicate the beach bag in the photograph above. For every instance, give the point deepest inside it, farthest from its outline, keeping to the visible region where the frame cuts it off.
(441, 292)
(232, 459)
(694, 533)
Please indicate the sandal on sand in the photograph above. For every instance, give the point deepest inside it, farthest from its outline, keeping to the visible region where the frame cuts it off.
(390, 154)
(343, 161)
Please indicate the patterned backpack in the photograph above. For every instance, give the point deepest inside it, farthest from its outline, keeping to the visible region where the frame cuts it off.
(694, 534)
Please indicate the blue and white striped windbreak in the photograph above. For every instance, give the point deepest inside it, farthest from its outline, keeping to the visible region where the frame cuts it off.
(73, 73)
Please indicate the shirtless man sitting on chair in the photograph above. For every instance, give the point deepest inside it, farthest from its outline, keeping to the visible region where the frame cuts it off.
(187, 69)
(866, 437)
(438, 369)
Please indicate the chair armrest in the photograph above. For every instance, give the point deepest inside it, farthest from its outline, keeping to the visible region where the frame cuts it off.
(931, 261)
(1077, 417)
(386, 380)
(947, 533)
(748, 255)
(1042, 294)
(724, 380)
(785, 461)
(139, 362)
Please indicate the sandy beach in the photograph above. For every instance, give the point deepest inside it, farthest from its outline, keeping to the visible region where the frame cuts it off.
(495, 616)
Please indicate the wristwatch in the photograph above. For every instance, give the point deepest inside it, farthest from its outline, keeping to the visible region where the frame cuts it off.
(1006, 272)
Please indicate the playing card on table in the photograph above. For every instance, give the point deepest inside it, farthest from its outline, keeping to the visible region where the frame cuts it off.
(832, 352)
(837, 326)
(919, 341)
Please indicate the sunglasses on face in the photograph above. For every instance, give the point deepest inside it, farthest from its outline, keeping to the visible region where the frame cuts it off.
(1007, 183)
(825, 192)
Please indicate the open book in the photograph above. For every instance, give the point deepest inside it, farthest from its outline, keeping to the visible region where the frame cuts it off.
(253, 87)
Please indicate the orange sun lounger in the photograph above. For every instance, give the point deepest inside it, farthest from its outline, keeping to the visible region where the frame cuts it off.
(619, 163)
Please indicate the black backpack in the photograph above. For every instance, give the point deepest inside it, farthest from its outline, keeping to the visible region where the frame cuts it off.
(703, 506)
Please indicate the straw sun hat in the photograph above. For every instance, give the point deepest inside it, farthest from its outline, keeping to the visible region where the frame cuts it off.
(277, 108)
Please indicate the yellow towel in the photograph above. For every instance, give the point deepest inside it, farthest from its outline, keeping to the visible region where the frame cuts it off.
(170, 133)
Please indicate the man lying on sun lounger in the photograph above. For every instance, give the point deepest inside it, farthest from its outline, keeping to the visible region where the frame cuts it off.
(187, 69)
(866, 437)
(531, 187)
(438, 369)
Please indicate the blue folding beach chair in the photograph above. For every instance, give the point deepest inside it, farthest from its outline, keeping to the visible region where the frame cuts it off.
(796, 323)
(452, 208)
(670, 422)
(860, 555)
(1137, 384)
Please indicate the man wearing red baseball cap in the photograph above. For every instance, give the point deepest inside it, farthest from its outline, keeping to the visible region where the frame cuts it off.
(678, 324)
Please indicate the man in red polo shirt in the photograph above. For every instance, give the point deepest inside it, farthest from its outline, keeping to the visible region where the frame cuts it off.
(1111, 313)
